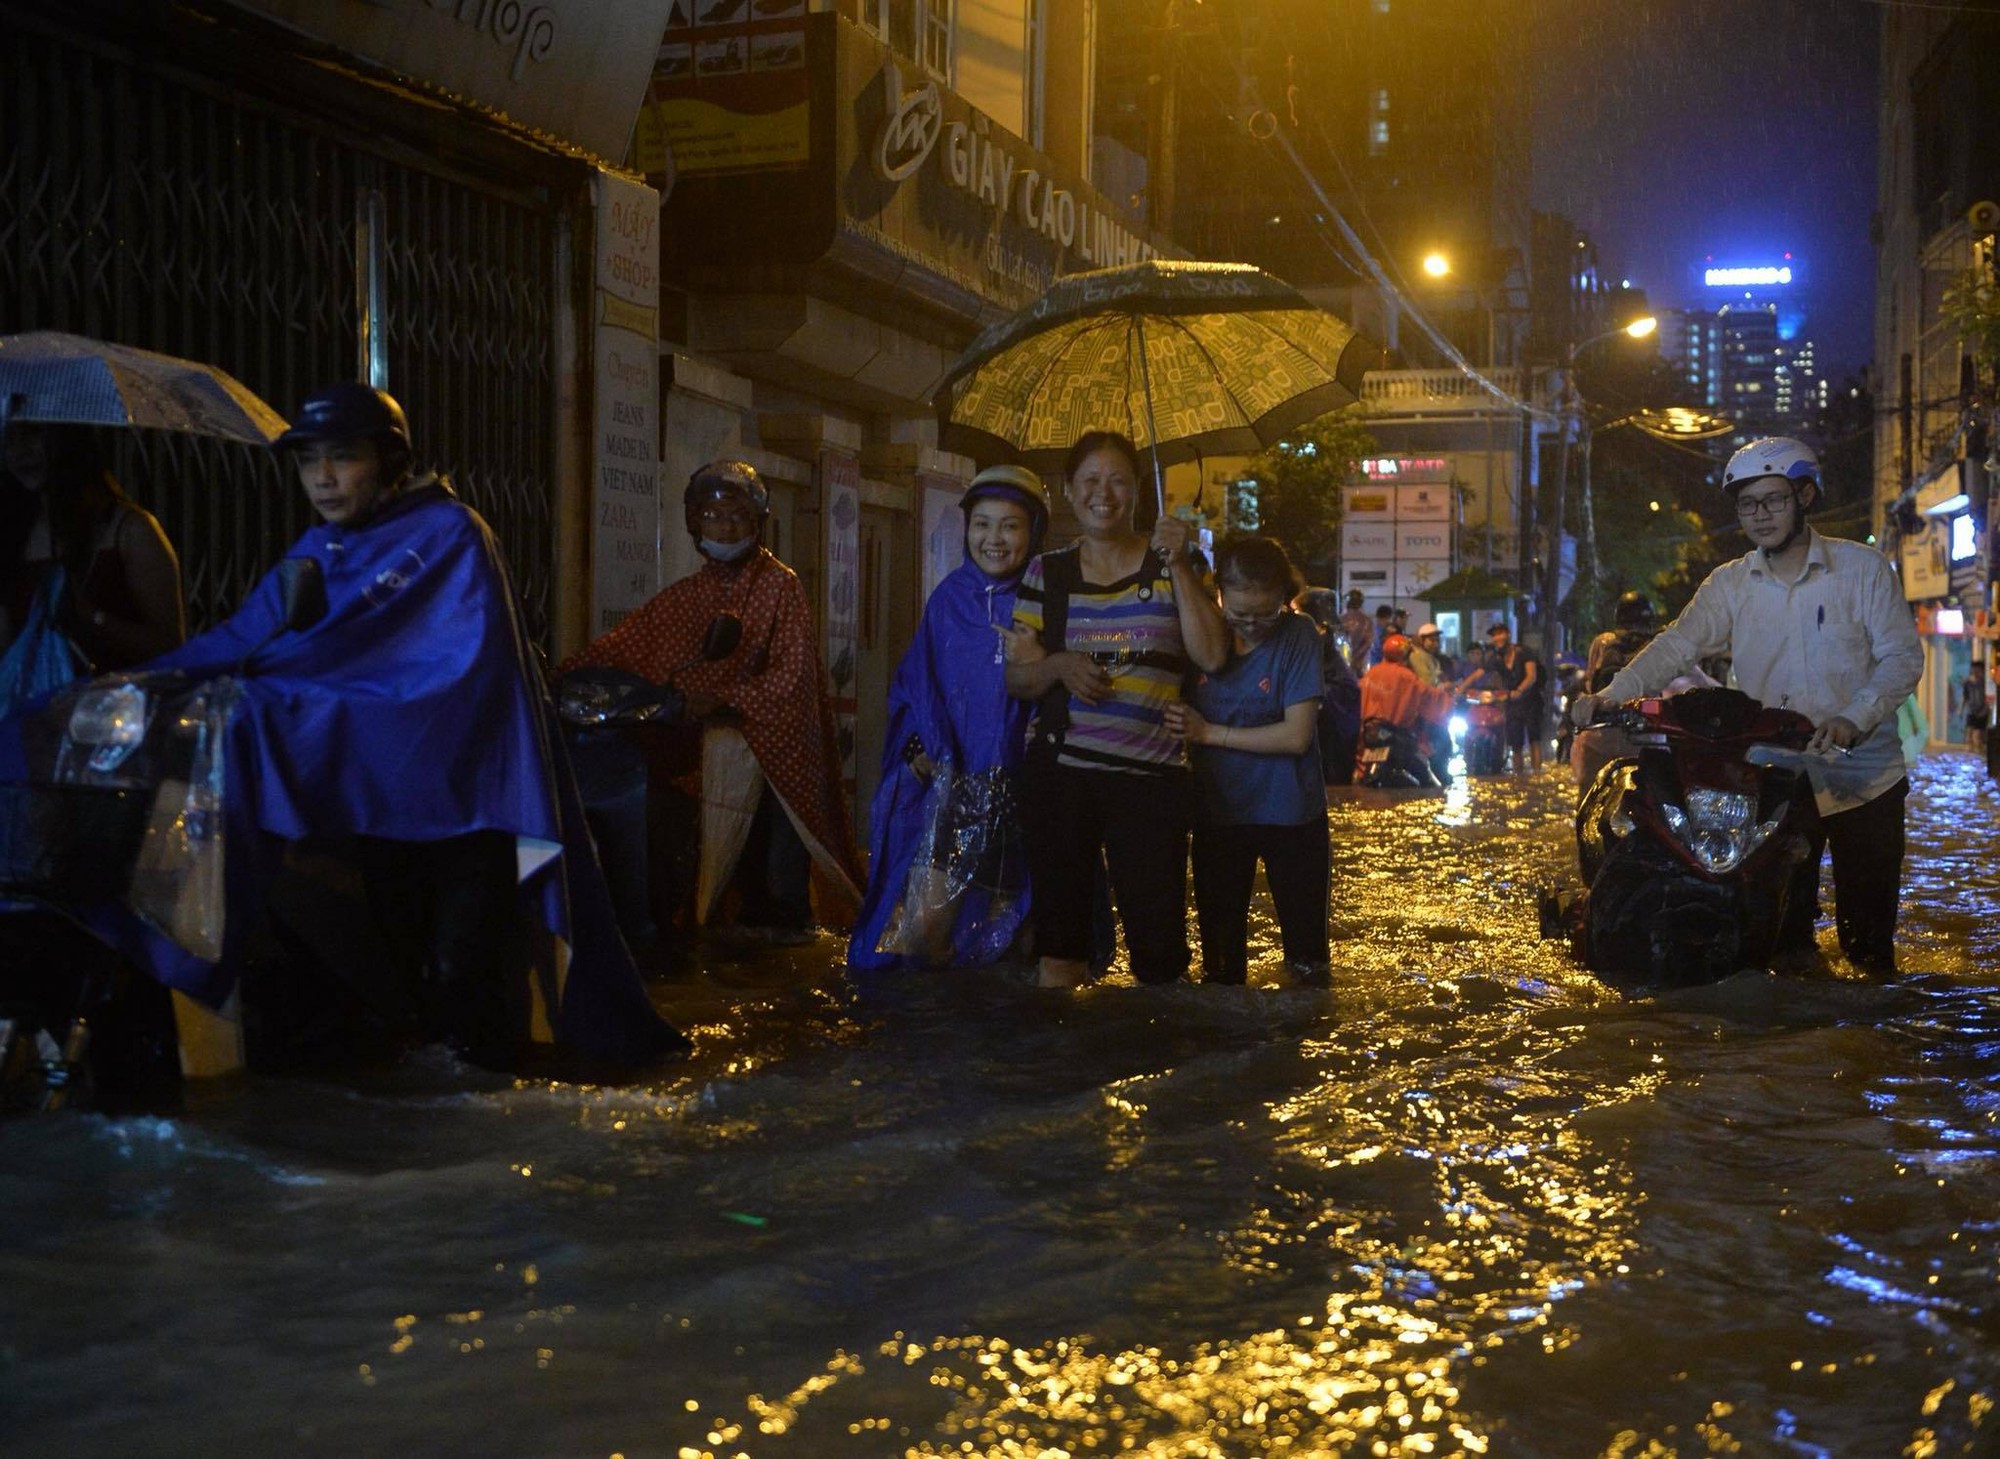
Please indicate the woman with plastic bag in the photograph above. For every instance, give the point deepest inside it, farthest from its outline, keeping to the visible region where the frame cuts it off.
(948, 882)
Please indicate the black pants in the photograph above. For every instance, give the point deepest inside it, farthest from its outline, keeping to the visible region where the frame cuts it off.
(1296, 861)
(450, 915)
(1867, 846)
(1140, 822)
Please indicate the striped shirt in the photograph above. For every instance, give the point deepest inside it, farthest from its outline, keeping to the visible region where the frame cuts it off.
(1132, 628)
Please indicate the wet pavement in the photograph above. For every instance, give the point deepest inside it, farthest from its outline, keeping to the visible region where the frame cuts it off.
(1471, 1202)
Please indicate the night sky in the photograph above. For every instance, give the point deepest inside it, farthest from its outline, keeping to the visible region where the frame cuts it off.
(1670, 130)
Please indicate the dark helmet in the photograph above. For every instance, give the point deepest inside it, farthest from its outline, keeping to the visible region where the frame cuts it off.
(1396, 648)
(1015, 484)
(1635, 610)
(719, 479)
(348, 411)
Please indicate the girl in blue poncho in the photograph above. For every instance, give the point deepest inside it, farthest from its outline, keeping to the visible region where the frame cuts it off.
(948, 882)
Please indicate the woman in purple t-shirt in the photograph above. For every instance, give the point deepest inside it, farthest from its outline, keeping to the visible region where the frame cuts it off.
(1260, 793)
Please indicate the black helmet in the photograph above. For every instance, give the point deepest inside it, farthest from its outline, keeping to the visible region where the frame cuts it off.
(345, 412)
(719, 479)
(1635, 610)
(1015, 484)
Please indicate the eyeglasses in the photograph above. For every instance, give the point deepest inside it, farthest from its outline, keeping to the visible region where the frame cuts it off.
(1262, 620)
(1761, 506)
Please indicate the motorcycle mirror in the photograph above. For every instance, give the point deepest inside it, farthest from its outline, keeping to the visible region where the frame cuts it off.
(725, 632)
(303, 583)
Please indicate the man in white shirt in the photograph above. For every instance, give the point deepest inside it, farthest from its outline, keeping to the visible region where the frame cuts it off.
(1816, 625)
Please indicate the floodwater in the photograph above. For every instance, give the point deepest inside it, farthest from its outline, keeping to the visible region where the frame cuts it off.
(1469, 1203)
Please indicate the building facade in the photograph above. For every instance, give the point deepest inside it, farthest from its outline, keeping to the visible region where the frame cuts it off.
(1938, 208)
(850, 195)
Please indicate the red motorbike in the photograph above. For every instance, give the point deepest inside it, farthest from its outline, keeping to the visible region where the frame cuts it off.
(1688, 851)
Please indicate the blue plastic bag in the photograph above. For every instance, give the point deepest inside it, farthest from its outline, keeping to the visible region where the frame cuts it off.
(42, 658)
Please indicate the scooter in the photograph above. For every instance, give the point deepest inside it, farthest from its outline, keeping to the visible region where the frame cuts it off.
(604, 711)
(1391, 758)
(124, 802)
(1688, 851)
(1485, 731)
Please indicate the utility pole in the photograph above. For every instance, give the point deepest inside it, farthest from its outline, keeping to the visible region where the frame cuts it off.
(1166, 124)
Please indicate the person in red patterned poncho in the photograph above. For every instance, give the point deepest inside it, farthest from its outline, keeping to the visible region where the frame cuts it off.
(772, 690)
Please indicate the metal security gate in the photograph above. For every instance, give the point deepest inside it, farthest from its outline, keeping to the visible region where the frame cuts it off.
(138, 207)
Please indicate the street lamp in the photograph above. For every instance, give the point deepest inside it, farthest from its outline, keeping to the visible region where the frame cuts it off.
(1572, 416)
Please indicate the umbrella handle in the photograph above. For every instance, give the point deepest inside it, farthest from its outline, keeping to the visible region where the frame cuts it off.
(1152, 431)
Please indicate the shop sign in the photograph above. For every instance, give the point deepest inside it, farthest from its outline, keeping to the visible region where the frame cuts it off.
(1366, 539)
(1423, 541)
(944, 534)
(730, 90)
(1423, 504)
(840, 525)
(1407, 468)
(1370, 579)
(1926, 574)
(576, 69)
(625, 513)
(1367, 504)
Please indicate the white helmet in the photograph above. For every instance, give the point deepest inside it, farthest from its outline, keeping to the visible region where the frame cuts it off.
(1771, 456)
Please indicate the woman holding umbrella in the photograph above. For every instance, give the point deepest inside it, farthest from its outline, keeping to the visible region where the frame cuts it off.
(1104, 631)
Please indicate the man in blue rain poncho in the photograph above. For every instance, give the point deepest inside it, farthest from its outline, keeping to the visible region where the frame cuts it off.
(947, 875)
(408, 728)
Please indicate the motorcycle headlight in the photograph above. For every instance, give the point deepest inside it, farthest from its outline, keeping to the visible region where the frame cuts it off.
(113, 716)
(1717, 828)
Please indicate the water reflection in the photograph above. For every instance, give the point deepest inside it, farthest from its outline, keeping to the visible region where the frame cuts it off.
(1472, 1202)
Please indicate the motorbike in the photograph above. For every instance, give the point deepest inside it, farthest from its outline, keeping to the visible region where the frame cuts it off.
(1569, 684)
(604, 713)
(1392, 757)
(123, 803)
(1689, 850)
(1485, 743)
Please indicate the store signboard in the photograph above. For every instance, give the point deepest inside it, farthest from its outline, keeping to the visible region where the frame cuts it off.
(1926, 573)
(576, 69)
(1367, 540)
(625, 441)
(1423, 503)
(1423, 541)
(1373, 580)
(730, 90)
(840, 523)
(1415, 578)
(1367, 504)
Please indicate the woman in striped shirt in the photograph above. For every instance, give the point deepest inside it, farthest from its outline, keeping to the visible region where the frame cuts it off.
(1104, 630)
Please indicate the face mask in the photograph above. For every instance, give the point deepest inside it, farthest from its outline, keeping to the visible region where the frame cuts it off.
(727, 551)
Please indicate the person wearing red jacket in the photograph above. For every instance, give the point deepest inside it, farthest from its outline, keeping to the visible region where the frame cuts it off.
(1392, 691)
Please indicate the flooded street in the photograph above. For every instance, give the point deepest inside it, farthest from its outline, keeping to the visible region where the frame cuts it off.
(1471, 1202)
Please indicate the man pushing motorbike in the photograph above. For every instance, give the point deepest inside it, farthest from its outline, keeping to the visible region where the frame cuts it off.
(1817, 625)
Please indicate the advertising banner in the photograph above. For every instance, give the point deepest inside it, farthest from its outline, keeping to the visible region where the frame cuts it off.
(1425, 541)
(1415, 578)
(840, 523)
(1926, 573)
(576, 69)
(1423, 504)
(625, 440)
(1373, 580)
(1367, 539)
(944, 535)
(1367, 504)
(730, 90)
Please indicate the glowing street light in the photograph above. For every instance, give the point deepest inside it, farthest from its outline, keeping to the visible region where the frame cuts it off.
(1436, 265)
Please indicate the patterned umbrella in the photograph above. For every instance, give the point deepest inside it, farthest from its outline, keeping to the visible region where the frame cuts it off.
(1188, 359)
(67, 379)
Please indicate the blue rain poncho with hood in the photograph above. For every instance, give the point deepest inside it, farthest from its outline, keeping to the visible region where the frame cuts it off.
(955, 838)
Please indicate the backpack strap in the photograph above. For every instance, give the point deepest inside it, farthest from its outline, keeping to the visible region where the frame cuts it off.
(1062, 571)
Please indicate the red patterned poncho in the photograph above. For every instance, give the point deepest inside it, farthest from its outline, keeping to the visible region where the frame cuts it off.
(772, 681)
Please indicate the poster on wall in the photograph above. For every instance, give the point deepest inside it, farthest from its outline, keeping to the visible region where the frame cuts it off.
(730, 90)
(1926, 574)
(944, 535)
(625, 441)
(840, 497)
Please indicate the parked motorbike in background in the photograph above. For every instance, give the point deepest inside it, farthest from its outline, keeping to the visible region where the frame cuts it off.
(1688, 852)
(1485, 737)
(604, 712)
(124, 803)
(1391, 757)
